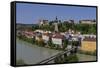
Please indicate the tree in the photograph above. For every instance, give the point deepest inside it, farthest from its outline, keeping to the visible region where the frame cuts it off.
(71, 58)
(34, 27)
(50, 42)
(41, 42)
(65, 43)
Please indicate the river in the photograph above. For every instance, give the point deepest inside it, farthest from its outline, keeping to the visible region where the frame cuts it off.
(32, 54)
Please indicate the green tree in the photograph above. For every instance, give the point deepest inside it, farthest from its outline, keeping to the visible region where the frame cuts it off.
(65, 43)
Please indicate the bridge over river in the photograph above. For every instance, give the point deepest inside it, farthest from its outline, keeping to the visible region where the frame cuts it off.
(61, 54)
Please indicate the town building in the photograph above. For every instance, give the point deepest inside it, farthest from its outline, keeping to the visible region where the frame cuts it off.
(43, 22)
(88, 44)
(29, 34)
(56, 24)
(38, 30)
(45, 37)
(87, 22)
(38, 36)
(58, 39)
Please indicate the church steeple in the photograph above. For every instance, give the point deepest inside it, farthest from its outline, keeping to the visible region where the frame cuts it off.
(56, 24)
(56, 19)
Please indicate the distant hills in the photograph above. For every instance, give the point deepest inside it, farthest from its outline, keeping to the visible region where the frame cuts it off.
(20, 25)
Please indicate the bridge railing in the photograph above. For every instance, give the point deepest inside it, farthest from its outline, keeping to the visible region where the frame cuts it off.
(55, 56)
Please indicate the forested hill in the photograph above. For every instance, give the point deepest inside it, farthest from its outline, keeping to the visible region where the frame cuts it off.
(63, 27)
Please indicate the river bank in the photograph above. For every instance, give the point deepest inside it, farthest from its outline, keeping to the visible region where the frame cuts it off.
(32, 41)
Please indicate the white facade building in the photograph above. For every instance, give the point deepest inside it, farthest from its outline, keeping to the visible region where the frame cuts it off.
(57, 41)
(87, 22)
(45, 37)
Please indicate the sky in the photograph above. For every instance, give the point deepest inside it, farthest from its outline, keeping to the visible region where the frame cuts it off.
(27, 13)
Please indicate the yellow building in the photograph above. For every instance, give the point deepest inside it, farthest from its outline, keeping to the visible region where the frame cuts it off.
(88, 46)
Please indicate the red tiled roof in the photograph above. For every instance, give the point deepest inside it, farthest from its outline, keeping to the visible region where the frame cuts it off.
(89, 39)
(47, 34)
(58, 36)
(30, 33)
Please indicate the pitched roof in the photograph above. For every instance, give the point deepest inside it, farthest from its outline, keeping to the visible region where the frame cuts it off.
(57, 35)
(89, 39)
(47, 34)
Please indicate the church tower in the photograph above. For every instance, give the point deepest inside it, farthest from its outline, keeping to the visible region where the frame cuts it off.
(56, 24)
